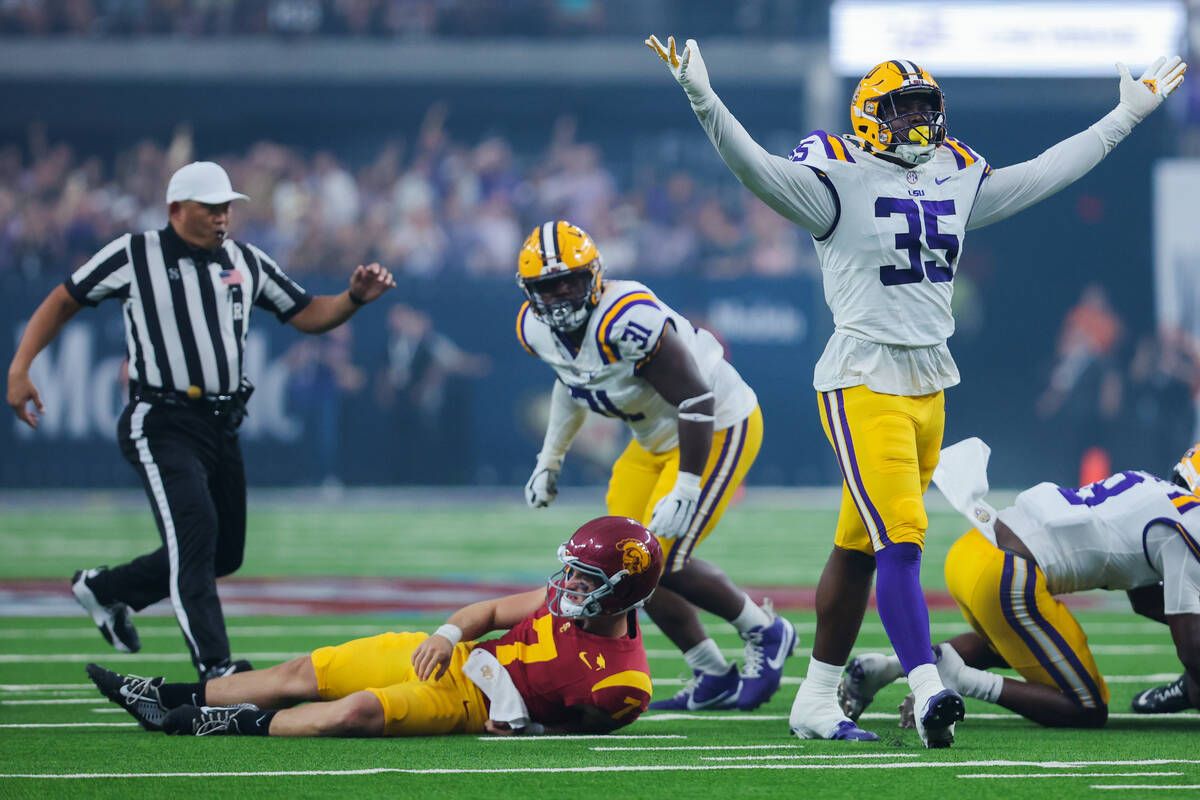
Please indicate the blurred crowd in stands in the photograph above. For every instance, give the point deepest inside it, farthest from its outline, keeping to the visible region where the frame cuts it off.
(409, 18)
(423, 207)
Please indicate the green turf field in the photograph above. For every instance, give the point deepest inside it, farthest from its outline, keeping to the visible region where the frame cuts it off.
(53, 723)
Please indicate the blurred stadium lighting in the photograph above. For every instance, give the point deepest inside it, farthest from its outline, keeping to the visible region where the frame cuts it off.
(1011, 39)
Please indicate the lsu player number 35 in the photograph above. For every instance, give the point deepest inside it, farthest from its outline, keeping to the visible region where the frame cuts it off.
(888, 207)
(620, 351)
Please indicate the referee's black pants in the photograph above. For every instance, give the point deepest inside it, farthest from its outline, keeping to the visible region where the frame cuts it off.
(191, 466)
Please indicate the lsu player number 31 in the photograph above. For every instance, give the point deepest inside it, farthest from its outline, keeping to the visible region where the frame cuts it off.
(888, 206)
(620, 351)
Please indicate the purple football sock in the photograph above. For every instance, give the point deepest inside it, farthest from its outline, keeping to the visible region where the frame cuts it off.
(902, 604)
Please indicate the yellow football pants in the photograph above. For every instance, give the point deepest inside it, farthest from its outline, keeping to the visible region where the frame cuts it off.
(383, 666)
(1005, 599)
(641, 478)
(887, 447)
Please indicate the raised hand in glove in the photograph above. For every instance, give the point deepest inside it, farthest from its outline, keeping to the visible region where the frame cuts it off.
(673, 514)
(688, 67)
(1145, 94)
(542, 487)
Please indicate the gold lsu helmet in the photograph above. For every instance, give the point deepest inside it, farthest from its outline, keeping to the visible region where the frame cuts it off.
(1186, 472)
(561, 272)
(912, 135)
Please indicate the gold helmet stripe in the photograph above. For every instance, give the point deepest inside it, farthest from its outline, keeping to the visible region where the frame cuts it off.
(549, 244)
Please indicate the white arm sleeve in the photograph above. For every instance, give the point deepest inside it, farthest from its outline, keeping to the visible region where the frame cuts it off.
(1011, 189)
(1180, 569)
(793, 190)
(564, 422)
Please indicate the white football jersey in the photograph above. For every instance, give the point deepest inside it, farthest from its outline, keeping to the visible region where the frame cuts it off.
(1128, 530)
(621, 335)
(888, 261)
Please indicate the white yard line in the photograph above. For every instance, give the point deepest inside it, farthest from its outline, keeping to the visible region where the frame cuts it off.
(595, 769)
(1126, 786)
(568, 737)
(69, 725)
(1074, 775)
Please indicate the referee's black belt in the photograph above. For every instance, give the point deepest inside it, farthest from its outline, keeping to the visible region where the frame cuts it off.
(217, 405)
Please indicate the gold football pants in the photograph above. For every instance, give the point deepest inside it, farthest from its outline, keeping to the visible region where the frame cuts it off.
(641, 478)
(1005, 599)
(383, 666)
(887, 446)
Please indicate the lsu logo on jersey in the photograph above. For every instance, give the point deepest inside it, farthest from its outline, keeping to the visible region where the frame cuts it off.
(635, 556)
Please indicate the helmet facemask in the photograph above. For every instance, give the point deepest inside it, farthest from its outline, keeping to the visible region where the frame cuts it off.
(564, 300)
(570, 595)
(912, 122)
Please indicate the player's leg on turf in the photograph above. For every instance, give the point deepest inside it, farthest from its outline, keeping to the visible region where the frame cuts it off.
(887, 447)
(281, 686)
(1004, 598)
(841, 601)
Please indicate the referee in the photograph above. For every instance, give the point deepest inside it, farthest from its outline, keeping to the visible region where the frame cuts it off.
(186, 293)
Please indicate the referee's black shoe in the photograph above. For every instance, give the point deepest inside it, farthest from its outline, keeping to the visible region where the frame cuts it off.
(1163, 699)
(223, 668)
(139, 696)
(111, 618)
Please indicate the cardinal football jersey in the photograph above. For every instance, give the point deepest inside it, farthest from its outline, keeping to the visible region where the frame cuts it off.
(1128, 530)
(621, 335)
(555, 664)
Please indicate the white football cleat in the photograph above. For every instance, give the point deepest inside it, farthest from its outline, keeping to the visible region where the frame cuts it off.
(865, 675)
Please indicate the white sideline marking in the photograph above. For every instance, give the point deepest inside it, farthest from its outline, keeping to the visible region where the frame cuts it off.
(69, 724)
(127, 658)
(717, 716)
(609, 768)
(706, 747)
(156, 631)
(1145, 786)
(568, 737)
(38, 687)
(1074, 775)
(57, 702)
(807, 756)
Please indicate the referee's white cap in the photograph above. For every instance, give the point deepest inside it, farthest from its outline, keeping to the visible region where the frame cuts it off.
(204, 182)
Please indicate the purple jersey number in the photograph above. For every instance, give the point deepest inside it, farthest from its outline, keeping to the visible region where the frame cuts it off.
(910, 241)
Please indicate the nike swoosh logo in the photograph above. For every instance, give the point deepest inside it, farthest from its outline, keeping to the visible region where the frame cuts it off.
(940, 181)
(785, 650)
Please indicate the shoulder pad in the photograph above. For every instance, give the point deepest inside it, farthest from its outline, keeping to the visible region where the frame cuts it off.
(630, 324)
(522, 316)
(964, 156)
(822, 146)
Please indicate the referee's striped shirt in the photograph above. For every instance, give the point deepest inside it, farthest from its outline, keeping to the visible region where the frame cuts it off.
(186, 310)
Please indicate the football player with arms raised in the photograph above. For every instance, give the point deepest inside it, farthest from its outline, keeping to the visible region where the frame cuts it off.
(1131, 531)
(571, 660)
(620, 351)
(888, 207)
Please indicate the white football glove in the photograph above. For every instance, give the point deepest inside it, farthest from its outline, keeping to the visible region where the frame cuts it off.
(688, 68)
(673, 514)
(1145, 94)
(543, 485)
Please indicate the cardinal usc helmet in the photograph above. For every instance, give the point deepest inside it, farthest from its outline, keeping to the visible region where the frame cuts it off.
(1187, 470)
(610, 565)
(560, 270)
(899, 108)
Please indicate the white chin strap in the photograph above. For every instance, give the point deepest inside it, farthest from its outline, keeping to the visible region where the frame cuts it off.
(915, 154)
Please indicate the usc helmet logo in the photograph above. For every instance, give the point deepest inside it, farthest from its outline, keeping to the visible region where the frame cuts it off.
(635, 556)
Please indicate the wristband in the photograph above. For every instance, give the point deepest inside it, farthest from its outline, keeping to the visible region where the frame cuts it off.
(358, 301)
(453, 633)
